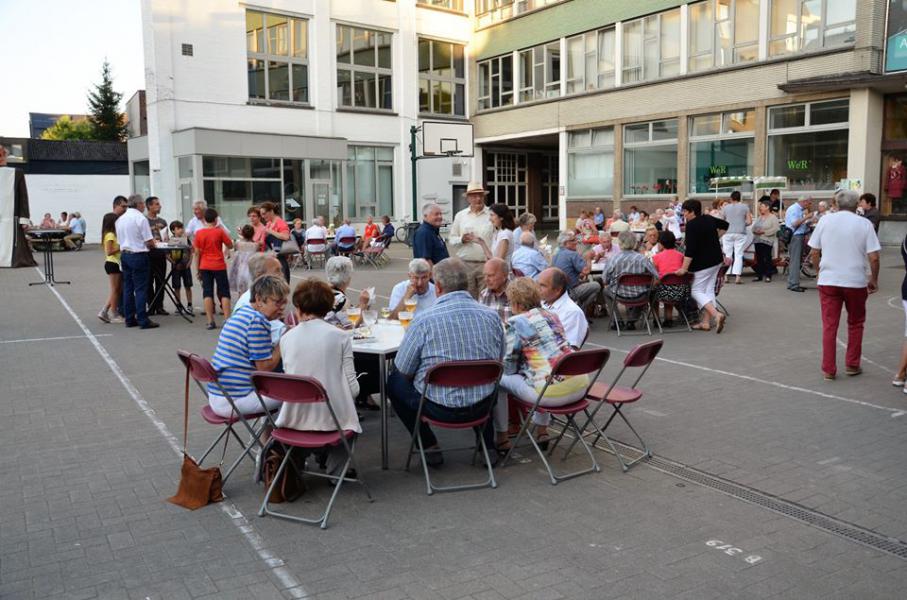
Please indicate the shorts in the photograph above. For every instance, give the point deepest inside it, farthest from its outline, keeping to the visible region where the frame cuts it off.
(208, 279)
(111, 268)
(181, 277)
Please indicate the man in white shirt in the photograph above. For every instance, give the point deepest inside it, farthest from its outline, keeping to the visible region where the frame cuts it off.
(841, 244)
(259, 265)
(135, 239)
(314, 233)
(198, 220)
(553, 287)
(468, 226)
(418, 286)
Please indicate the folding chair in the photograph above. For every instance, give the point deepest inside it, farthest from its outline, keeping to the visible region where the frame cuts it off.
(202, 371)
(642, 356)
(374, 255)
(643, 301)
(517, 273)
(296, 389)
(349, 242)
(719, 283)
(580, 362)
(458, 374)
(677, 305)
(312, 254)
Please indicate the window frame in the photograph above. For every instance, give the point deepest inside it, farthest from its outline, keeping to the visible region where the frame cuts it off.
(431, 78)
(715, 49)
(541, 57)
(591, 149)
(798, 36)
(647, 36)
(718, 137)
(595, 56)
(350, 180)
(451, 5)
(489, 99)
(352, 69)
(267, 58)
(649, 144)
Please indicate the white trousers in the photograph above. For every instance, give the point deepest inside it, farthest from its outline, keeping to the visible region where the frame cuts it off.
(247, 405)
(733, 244)
(703, 288)
(516, 384)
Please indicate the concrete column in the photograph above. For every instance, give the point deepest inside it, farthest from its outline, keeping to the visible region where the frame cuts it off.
(864, 142)
(684, 38)
(683, 157)
(562, 179)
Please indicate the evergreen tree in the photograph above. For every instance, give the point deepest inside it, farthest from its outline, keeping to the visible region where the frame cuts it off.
(67, 129)
(107, 122)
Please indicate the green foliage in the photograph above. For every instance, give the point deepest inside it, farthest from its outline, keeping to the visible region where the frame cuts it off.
(107, 122)
(67, 129)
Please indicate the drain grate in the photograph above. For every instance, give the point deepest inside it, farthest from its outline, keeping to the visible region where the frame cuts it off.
(813, 518)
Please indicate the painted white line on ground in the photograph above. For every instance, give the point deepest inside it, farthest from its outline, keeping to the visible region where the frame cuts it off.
(277, 565)
(53, 339)
(893, 411)
(894, 298)
(866, 359)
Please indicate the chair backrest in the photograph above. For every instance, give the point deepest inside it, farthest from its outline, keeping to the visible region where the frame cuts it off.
(464, 373)
(643, 354)
(673, 279)
(581, 362)
(200, 368)
(635, 279)
(293, 389)
(517, 273)
(614, 234)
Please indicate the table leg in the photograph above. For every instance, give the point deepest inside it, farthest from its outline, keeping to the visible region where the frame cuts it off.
(382, 377)
(48, 267)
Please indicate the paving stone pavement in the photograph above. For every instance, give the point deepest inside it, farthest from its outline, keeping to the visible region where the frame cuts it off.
(85, 468)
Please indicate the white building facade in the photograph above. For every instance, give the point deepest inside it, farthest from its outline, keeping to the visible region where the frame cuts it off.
(305, 103)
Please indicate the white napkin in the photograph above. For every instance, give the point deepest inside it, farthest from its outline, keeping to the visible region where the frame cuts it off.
(371, 295)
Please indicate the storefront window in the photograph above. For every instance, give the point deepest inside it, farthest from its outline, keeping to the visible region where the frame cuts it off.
(590, 163)
(721, 145)
(370, 186)
(650, 158)
(893, 199)
(807, 143)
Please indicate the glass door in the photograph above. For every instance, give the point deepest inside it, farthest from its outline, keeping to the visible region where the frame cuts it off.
(320, 201)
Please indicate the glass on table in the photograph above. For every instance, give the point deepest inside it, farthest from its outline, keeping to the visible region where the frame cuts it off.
(354, 314)
(405, 318)
(370, 317)
(385, 312)
(410, 304)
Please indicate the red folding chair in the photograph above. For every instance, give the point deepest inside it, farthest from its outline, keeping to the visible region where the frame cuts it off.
(374, 255)
(642, 357)
(580, 362)
(296, 389)
(312, 254)
(646, 280)
(517, 273)
(677, 305)
(202, 371)
(458, 374)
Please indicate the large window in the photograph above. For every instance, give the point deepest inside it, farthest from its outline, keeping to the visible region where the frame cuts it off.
(364, 68)
(493, 11)
(721, 145)
(590, 163)
(277, 57)
(456, 5)
(496, 82)
(506, 179)
(590, 61)
(370, 181)
(540, 72)
(723, 32)
(804, 25)
(651, 47)
(232, 184)
(442, 79)
(807, 143)
(650, 158)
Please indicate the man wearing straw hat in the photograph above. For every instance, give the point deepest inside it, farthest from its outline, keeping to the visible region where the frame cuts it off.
(469, 225)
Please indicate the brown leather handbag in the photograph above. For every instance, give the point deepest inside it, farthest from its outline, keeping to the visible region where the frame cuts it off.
(198, 487)
(290, 487)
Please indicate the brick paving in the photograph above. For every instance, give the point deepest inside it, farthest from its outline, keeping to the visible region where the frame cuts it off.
(85, 469)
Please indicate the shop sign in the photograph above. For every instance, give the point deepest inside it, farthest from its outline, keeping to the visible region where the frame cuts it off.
(896, 37)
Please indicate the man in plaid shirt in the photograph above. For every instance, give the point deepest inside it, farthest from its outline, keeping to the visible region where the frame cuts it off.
(494, 295)
(628, 262)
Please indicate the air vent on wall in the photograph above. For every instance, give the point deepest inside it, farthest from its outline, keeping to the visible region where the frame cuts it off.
(187, 50)
(457, 169)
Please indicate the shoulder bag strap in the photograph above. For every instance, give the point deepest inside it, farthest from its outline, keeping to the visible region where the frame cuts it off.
(186, 412)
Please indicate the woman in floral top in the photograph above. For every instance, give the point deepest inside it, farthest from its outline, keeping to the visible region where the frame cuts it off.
(535, 342)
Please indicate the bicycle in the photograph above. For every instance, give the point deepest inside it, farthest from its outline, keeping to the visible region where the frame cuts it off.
(406, 232)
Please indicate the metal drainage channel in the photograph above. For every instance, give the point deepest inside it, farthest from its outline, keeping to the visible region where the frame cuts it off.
(837, 527)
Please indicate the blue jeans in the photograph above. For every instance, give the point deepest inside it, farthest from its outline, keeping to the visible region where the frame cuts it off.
(135, 286)
(405, 399)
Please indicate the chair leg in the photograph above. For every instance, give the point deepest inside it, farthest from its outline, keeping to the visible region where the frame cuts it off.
(553, 477)
(624, 464)
(224, 431)
(428, 486)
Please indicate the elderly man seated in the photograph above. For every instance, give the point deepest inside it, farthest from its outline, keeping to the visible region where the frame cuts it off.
(577, 269)
(527, 259)
(316, 237)
(494, 294)
(262, 264)
(346, 233)
(553, 289)
(605, 249)
(455, 328)
(628, 262)
(418, 286)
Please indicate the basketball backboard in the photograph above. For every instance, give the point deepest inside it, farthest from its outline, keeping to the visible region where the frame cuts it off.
(443, 138)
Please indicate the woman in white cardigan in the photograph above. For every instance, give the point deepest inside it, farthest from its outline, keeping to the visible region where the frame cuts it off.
(320, 350)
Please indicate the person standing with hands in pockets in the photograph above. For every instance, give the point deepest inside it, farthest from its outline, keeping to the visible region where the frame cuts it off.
(469, 225)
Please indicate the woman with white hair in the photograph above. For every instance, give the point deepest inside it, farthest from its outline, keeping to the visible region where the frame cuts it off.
(339, 273)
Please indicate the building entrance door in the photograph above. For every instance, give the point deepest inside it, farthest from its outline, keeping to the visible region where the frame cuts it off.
(319, 201)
